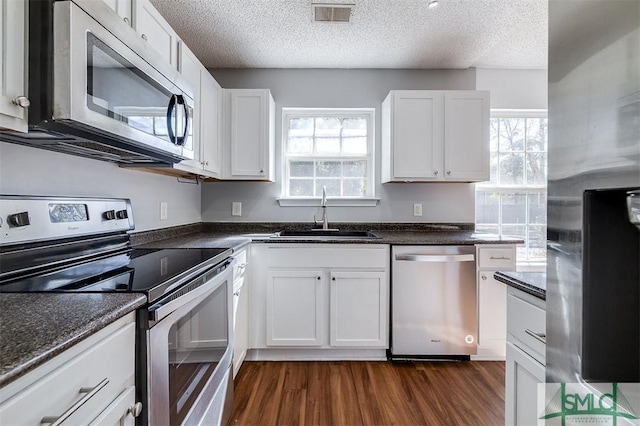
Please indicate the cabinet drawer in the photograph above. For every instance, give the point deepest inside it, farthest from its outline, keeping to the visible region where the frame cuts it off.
(497, 258)
(240, 267)
(107, 368)
(525, 320)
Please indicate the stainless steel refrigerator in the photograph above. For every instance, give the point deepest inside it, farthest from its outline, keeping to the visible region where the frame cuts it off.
(593, 250)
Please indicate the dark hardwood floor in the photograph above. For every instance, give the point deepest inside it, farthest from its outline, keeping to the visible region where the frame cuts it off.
(369, 393)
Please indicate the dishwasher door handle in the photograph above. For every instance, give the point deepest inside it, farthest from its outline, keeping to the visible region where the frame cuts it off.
(436, 257)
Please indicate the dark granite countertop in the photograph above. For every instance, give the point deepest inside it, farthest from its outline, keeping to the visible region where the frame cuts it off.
(235, 235)
(534, 283)
(35, 327)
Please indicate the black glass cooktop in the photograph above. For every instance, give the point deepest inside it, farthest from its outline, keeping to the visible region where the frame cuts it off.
(138, 270)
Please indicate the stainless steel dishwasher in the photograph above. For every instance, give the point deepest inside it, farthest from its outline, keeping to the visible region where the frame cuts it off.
(433, 302)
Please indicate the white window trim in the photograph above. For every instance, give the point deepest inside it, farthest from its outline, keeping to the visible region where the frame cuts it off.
(370, 200)
(521, 265)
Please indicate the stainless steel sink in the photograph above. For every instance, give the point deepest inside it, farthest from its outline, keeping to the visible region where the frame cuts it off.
(325, 234)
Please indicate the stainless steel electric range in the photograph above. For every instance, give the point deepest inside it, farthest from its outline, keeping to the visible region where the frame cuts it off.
(184, 332)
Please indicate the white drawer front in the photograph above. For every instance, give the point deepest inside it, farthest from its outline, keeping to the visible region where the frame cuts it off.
(240, 267)
(497, 258)
(524, 320)
(108, 365)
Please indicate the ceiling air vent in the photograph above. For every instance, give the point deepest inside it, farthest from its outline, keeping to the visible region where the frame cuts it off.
(332, 12)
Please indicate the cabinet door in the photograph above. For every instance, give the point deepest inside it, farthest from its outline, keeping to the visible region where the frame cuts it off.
(359, 309)
(156, 31)
(466, 135)
(118, 413)
(210, 128)
(523, 374)
(122, 8)
(13, 72)
(492, 316)
(251, 141)
(295, 308)
(417, 134)
(240, 327)
(189, 67)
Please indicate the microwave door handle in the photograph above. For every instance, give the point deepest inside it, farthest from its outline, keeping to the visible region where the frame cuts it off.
(180, 140)
(170, 109)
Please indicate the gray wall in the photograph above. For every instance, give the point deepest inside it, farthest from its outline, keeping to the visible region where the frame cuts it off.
(340, 88)
(32, 171)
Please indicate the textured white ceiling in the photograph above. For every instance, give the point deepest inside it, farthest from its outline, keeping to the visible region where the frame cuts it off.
(381, 34)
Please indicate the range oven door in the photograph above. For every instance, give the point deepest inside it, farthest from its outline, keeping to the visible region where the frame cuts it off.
(189, 353)
(101, 84)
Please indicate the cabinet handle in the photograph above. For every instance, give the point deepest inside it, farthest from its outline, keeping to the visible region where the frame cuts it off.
(127, 21)
(135, 409)
(318, 278)
(90, 393)
(333, 278)
(540, 337)
(484, 277)
(21, 101)
(499, 258)
(144, 37)
(435, 173)
(261, 170)
(448, 172)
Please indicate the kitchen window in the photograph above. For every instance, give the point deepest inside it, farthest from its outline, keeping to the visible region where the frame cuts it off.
(514, 201)
(330, 148)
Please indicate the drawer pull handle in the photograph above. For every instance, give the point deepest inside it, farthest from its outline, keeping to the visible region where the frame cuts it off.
(90, 393)
(540, 337)
(499, 258)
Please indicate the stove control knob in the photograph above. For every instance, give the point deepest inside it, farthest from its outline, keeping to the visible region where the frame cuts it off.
(109, 215)
(19, 219)
(122, 214)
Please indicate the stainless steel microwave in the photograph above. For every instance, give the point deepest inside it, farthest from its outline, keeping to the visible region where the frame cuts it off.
(98, 90)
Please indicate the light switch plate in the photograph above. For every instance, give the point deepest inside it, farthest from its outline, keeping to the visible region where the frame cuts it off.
(236, 208)
(417, 209)
(164, 210)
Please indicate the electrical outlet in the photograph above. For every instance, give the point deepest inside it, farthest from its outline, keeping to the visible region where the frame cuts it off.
(417, 209)
(236, 208)
(164, 210)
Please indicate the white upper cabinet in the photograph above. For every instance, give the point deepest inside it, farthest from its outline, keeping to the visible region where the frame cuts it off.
(153, 28)
(249, 134)
(210, 128)
(466, 136)
(431, 136)
(124, 8)
(413, 130)
(189, 66)
(207, 161)
(13, 72)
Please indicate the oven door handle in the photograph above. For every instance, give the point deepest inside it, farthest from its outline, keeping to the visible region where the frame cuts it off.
(169, 304)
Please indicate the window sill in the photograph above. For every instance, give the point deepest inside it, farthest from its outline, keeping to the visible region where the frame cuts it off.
(331, 202)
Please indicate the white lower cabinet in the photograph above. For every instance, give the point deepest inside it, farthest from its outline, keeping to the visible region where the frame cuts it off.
(240, 308)
(492, 300)
(525, 366)
(320, 296)
(523, 375)
(92, 382)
